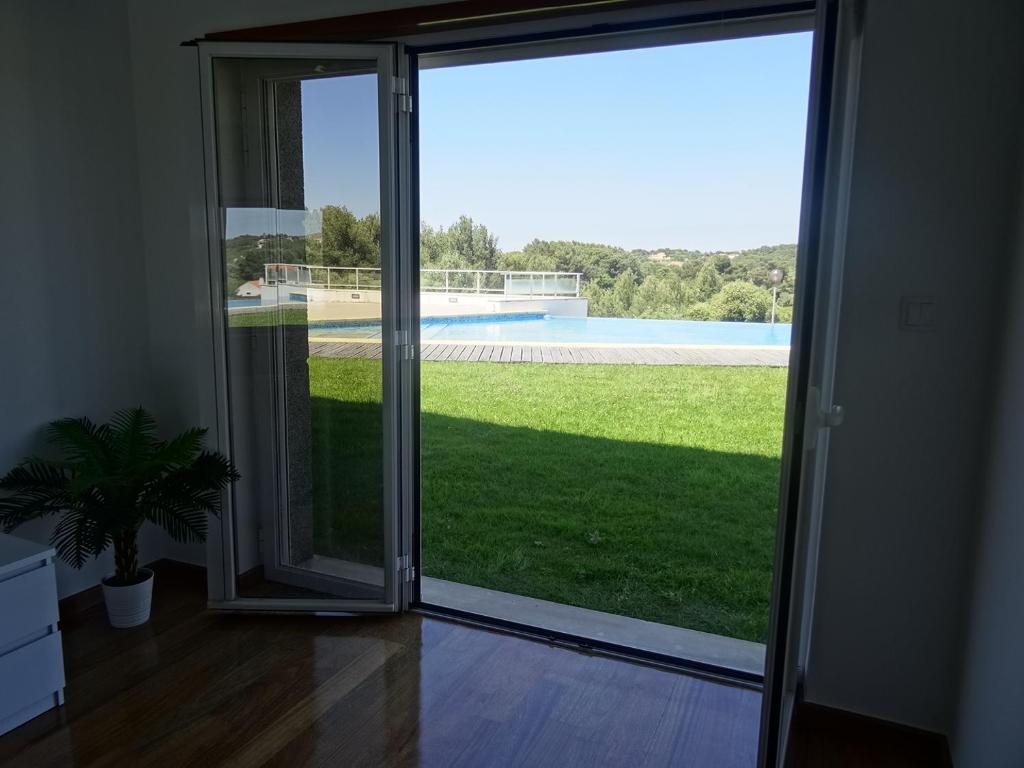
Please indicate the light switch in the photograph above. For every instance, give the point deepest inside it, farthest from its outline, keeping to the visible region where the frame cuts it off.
(917, 313)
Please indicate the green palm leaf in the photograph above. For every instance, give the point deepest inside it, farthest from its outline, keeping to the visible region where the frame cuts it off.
(182, 449)
(112, 478)
(182, 523)
(82, 442)
(77, 537)
(40, 489)
(133, 435)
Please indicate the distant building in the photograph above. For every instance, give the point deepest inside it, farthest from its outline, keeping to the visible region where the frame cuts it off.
(250, 289)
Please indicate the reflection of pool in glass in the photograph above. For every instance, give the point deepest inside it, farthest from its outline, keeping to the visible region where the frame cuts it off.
(537, 328)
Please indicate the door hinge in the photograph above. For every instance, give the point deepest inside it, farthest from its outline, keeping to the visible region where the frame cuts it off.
(406, 351)
(819, 417)
(406, 570)
(400, 87)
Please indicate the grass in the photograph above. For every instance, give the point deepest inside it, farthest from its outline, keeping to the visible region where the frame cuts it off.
(269, 317)
(648, 491)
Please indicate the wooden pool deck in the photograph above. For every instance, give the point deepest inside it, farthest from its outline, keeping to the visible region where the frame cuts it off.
(473, 352)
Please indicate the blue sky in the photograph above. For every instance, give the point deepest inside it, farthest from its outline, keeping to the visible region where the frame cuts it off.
(340, 137)
(689, 146)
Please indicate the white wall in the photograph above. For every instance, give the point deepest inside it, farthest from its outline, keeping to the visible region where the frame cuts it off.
(449, 305)
(932, 204)
(988, 731)
(76, 330)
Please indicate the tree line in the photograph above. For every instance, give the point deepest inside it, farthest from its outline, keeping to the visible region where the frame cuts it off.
(668, 283)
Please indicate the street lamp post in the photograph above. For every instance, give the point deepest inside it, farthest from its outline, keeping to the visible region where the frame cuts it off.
(776, 278)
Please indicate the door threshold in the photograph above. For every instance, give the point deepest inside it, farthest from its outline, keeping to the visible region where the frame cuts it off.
(717, 655)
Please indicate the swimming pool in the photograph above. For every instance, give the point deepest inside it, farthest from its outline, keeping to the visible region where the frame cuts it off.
(529, 328)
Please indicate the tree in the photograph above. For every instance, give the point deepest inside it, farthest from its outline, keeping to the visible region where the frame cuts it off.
(622, 293)
(528, 261)
(600, 303)
(723, 263)
(665, 283)
(476, 247)
(598, 263)
(463, 245)
(741, 301)
(349, 241)
(701, 311)
(707, 282)
(660, 295)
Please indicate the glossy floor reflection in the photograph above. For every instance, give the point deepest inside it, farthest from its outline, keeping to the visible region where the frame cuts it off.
(199, 688)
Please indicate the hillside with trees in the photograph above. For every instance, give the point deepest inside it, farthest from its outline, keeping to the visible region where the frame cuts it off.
(667, 283)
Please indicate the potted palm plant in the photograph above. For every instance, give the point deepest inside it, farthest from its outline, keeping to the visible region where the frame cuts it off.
(110, 480)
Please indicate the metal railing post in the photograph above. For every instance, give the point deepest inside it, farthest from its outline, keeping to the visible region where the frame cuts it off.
(357, 278)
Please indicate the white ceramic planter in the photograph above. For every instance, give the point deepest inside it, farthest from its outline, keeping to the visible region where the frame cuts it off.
(129, 606)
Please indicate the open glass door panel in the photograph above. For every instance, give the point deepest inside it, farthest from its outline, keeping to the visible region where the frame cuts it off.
(302, 149)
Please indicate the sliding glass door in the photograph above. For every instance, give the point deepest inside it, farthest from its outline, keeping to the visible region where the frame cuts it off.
(302, 146)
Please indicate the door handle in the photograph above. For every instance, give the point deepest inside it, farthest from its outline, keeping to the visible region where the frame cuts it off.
(818, 418)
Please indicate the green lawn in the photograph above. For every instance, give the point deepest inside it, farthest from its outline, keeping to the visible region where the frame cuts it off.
(648, 491)
(269, 316)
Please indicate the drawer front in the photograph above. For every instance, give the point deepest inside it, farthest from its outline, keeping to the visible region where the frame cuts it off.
(28, 603)
(30, 673)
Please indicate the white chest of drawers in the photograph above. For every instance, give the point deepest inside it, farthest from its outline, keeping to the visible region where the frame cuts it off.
(31, 657)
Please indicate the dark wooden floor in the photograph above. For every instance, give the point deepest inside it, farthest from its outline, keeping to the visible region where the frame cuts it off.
(827, 737)
(198, 688)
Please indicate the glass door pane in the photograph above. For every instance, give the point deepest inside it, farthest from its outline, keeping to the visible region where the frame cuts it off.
(304, 156)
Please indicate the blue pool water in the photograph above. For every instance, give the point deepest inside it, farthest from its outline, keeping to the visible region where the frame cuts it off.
(529, 328)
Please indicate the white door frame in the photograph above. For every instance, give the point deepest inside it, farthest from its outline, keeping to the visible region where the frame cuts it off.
(221, 558)
(828, 169)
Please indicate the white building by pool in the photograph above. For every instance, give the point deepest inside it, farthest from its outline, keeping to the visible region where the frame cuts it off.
(353, 293)
(250, 289)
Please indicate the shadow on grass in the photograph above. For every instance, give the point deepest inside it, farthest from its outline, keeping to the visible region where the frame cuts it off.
(672, 534)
